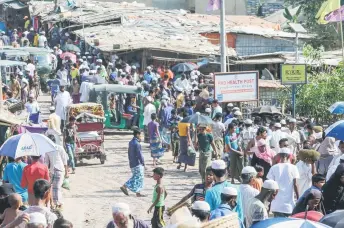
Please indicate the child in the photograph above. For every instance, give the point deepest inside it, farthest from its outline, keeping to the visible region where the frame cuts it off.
(175, 142)
(11, 213)
(76, 94)
(112, 105)
(159, 196)
(257, 182)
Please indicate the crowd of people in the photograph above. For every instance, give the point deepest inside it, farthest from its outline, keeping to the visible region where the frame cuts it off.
(246, 166)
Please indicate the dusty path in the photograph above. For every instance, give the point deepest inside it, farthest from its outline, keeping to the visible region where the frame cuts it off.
(95, 187)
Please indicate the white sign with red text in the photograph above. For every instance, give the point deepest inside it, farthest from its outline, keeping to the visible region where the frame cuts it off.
(236, 86)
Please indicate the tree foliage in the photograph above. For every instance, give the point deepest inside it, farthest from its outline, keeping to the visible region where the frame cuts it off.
(325, 87)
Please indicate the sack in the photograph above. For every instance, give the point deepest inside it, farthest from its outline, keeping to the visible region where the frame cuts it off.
(191, 151)
(66, 184)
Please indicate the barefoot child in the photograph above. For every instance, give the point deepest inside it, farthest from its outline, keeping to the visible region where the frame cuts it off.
(159, 196)
(11, 213)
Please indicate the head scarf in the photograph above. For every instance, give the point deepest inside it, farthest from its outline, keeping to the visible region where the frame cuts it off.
(301, 204)
(267, 155)
(328, 147)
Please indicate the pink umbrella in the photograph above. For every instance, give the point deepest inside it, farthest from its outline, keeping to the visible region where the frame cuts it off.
(69, 55)
(335, 16)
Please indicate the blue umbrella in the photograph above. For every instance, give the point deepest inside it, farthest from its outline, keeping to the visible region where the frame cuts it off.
(336, 130)
(27, 144)
(183, 67)
(288, 222)
(337, 108)
(197, 119)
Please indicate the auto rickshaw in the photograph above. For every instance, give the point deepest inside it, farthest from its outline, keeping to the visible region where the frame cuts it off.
(14, 55)
(8, 67)
(90, 133)
(117, 101)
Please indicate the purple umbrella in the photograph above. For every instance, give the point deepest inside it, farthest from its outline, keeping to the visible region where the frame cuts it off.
(335, 16)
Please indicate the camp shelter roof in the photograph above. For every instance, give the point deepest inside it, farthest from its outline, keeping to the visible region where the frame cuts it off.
(11, 63)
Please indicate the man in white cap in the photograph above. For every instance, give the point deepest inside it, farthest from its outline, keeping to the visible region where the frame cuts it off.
(277, 135)
(42, 40)
(213, 195)
(102, 72)
(148, 76)
(207, 112)
(257, 209)
(236, 115)
(286, 175)
(122, 218)
(61, 101)
(228, 203)
(248, 174)
(295, 134)
(201, 210)
(54, 121)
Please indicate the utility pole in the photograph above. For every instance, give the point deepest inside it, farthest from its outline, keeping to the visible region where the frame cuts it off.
(223, 37)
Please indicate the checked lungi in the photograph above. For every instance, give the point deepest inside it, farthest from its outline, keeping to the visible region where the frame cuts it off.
(56, 185)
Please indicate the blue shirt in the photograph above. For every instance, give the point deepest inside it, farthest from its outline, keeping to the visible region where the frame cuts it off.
(148, 77)
(54, 86)
(135, 153)
(13, 174)
(308, 191)
(213, 197)
(165, 115)
(223, 210)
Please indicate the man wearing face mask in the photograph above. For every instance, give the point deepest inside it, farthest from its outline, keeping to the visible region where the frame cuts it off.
(137, 166)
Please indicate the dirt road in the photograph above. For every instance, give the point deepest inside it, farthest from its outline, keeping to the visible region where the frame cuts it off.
(95, 187)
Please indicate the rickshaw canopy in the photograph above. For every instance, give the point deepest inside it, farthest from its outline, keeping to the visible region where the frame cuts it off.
(10, 63)
(14, 53)
(90, 108)
(113, 88)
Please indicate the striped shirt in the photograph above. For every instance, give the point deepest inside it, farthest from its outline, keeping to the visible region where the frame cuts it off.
(247, 193)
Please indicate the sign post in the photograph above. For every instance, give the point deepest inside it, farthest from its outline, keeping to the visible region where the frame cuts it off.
(293, 74)
(236, 86)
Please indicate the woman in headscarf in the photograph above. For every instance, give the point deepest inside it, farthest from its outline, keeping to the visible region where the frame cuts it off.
(327, 150)
(313, 200)
(263, 156)
(333, 191)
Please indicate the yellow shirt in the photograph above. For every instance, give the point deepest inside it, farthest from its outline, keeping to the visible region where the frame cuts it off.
(180, 100)
(74, 73)
(26, 24)
(54, 122)
(182, 127)
(35, 40)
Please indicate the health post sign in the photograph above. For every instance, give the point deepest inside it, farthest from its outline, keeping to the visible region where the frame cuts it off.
(236, 86)
(293, 74)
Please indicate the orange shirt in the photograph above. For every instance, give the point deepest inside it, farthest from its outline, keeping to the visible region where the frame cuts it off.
(33, 172)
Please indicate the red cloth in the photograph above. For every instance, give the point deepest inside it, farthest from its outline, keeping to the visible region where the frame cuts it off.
(311, 215)
(33, 172)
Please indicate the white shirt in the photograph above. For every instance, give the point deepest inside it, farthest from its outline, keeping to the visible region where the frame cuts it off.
(293, 143)
(275, 138)
(56, 159)
(63, 75)
(216, 110)
(32, 108)
(31, 68)
(62, 100)
(55, 122)
(148, 111)
(284, 174)
(182, 84)
(41, 40)
(85, 89)
(247, 193)
(305, 181)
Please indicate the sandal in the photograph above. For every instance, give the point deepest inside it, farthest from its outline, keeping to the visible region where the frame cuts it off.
(140, 195)
(124, 190)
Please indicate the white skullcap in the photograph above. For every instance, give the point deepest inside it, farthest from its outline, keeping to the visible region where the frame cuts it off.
(249, 169)
(133, 67)
(99, 61)
(20, 73)
(110, 64)
(198, 113)
(120, 70)
(285, 150)
(270, 184)
(218, 165)
(283, 122)
(248, 121)
(201, 206)
(230, 105)
(149, 68)
(38, 218)
(292, 120)
(237, 113)
(208, 110)
(52, 108)
(81, 60)
(230, 191)
(278, 125)
(121, 208)
(87, 53)
(236, 108)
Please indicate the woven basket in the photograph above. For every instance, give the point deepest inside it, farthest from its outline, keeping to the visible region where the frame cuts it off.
(229, 221)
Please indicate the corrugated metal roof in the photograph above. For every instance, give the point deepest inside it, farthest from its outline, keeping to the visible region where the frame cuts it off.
(270, 84)
(259, 61)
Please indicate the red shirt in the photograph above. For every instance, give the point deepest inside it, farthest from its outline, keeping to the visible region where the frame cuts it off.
(33, 172)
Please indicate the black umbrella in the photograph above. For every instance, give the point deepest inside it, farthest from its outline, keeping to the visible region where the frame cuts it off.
(266, 110)
(333, 219)
(183, 67)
